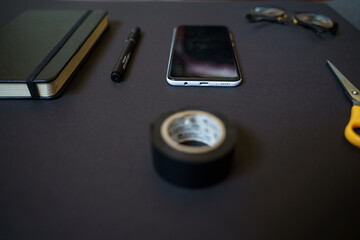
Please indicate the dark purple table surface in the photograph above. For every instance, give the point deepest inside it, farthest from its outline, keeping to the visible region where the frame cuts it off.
(80, 166)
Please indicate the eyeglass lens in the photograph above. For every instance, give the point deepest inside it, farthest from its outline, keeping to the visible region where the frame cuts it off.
(269, 11)
(315, 19)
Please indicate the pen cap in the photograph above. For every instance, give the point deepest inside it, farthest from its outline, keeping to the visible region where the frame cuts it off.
(134, 34)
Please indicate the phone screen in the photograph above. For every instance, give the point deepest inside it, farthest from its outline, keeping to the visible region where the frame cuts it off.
(203, 52)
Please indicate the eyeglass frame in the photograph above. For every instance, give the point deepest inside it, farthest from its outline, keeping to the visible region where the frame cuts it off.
(284, 19)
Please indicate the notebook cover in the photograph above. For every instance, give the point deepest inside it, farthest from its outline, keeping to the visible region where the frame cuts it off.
(28, 39)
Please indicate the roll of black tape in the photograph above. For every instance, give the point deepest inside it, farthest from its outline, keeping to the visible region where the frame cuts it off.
(192, 147)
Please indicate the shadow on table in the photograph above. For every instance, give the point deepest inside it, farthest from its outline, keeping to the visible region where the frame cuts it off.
(246, 153)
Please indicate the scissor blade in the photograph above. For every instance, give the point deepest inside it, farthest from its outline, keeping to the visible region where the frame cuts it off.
(351, 91)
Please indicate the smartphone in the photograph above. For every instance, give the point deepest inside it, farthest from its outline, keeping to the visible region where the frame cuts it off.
(203, 56)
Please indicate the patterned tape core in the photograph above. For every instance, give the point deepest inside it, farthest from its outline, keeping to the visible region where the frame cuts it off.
(193, 126)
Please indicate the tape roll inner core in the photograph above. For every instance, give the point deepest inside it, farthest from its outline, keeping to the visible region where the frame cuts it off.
(193, 131)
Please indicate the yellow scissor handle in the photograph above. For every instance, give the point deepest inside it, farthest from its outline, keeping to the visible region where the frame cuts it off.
(354, 123)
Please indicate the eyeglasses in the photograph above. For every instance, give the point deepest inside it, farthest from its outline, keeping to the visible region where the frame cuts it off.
(316, 22)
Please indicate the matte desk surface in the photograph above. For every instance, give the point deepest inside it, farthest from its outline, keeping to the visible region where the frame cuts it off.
(80, 166)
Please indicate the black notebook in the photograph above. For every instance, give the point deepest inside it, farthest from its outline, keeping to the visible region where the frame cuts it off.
(40, 50)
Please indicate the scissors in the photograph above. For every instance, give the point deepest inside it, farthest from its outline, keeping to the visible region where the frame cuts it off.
(354, 94)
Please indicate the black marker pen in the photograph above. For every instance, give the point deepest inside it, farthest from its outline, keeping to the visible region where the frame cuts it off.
(121, 63)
